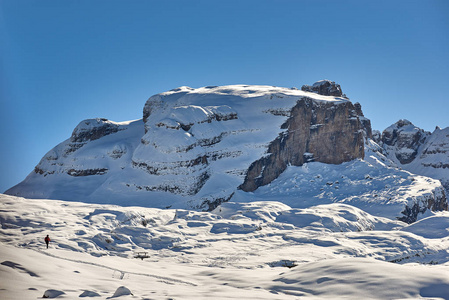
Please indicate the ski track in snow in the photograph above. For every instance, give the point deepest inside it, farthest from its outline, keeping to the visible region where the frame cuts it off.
(167, 280)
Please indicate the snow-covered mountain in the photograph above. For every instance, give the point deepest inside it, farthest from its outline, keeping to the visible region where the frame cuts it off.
(197, 148)
(418, 151)
(234, 192)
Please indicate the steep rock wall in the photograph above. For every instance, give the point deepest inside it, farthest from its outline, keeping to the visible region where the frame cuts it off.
(316, 131)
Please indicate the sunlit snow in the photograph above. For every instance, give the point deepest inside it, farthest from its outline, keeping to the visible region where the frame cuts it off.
(254, 250)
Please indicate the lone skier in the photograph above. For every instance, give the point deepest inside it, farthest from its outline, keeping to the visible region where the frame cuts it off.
(47, 240)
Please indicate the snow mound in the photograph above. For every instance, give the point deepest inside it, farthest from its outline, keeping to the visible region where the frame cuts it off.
(52, 293)
(266, 211)
(334, 217)
(433, 227)
(359, 279)
(89, 294)
(121, 291)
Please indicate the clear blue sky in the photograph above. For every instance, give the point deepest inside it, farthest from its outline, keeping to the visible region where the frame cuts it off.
(65, 61)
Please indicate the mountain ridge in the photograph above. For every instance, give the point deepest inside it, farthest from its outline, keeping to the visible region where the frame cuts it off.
(197, 148)
(416, 150)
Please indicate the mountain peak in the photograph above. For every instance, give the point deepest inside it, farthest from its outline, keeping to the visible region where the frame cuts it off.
(418, 151)
(324, 87)
(403, 122)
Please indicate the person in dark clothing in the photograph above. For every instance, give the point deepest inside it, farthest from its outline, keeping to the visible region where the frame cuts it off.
(47, 240)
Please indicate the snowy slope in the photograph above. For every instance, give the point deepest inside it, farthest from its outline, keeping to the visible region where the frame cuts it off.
(253, 250)
(56, 174)
(374, 185)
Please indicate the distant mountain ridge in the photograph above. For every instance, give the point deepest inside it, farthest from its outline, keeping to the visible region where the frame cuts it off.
(416, 150)
(198, 148)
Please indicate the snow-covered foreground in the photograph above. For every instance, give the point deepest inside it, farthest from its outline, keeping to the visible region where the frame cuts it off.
(253, 250)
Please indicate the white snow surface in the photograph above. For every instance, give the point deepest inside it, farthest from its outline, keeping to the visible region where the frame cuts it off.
(251, 250)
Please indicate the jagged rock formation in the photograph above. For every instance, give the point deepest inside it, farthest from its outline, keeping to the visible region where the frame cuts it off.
(93, 129)
(366, 123)
(325, 88)
(436, 201)
(197, 148)
(404, 139)
(418, 151)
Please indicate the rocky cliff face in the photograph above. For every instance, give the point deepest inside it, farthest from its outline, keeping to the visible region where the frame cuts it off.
(196, 148)
(404, 139)
(321, 132)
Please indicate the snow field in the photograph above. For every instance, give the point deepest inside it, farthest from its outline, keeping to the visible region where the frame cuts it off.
(370, 185)
(251, 250)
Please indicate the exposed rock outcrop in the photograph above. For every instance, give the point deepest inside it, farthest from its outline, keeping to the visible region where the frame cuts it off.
(422, 153)
(433, 158)
(366, 123)
(377, 137)
(87, 152)
(93, 129)
(405, 138)
(87, 172)
(325, 88)
(418, 151)
(316, 131)
(90, 130)
(435, 201)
